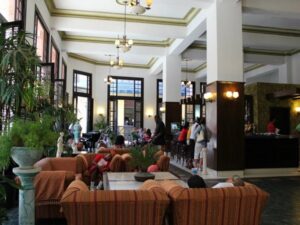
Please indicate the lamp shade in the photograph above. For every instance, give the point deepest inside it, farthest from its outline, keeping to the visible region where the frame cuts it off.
(149, 3)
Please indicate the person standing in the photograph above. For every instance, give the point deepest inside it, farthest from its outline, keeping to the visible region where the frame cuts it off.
(271, 128)
(159, 133)
(193, 136)
(200, 143)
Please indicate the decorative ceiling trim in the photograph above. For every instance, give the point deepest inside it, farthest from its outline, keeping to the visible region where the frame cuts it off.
(253, 67)
(271, 30)
(106, 63)
(255, 50)
(103, 40)
(120, 17)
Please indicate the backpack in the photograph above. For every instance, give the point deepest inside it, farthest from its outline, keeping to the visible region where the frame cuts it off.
(202, 135)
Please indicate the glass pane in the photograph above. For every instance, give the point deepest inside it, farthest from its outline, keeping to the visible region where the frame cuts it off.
(113, 89)
(58, 93)
(54, 59)
(125, 88)
(138, 88)
(7, 9)
(82, 112)
(82, 83)
(41, 41)
(160, 89)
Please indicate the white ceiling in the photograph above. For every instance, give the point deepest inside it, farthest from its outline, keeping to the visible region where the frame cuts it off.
(146, 31)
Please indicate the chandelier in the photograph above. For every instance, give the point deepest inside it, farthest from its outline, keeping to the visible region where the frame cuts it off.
(109, 80)
(124, 43)
(186, 83)
(137, 8)
(117, 63)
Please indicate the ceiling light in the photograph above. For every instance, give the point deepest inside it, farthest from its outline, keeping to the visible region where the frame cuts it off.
(138, 9)
(187, 83)
(117, 63)
(124, 43)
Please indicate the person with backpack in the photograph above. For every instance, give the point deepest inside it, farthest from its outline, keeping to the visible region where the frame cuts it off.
(200, 143)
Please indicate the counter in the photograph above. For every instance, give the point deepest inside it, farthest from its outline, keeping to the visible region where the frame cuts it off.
(271, 151)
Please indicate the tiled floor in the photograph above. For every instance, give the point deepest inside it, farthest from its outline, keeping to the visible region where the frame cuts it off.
(283, 207)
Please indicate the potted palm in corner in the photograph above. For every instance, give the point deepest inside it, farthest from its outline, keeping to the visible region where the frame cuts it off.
(29, 138)
(142, 158)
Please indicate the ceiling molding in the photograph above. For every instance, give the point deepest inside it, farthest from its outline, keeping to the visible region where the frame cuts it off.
(271, 30)
(120, 17)
(255, 50)
(253, 67)
(103, 40)
(106, 63)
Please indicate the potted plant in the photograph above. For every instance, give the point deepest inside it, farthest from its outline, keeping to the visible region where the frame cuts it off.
(28, 139)
(142, 158)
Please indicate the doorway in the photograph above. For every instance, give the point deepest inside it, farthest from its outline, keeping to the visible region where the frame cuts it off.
(282, 116)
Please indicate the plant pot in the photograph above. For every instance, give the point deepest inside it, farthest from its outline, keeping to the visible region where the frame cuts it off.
(143, 176)
(25, 157)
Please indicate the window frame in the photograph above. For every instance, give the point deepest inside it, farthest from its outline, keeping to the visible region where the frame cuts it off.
(38, 17)
(56, 66)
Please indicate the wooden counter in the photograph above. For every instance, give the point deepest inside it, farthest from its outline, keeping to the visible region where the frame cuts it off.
(271, 151)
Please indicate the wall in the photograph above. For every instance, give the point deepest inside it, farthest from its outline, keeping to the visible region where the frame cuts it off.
(99, 88)
(261, 105)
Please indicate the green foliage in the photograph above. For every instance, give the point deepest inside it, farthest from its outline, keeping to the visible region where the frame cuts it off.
(143, 157)
(35, 134)
(100, 123)
(5, 146)
(18, 64)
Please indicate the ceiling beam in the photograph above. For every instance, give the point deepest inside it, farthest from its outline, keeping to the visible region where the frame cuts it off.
(102, 49)
(277, 8)
(102, 27)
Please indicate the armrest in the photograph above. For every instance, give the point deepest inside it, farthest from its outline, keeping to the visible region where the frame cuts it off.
(50, 185)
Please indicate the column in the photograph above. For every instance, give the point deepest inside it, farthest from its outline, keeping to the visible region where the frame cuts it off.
(26, 195)
(225, 115)
(171, 90)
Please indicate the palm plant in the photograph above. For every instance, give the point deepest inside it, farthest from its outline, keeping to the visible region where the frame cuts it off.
(18, 63)
(143, 157)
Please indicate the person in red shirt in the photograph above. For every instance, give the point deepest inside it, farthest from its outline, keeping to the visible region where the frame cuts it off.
(183, 133)
(100, 165)
(271, 128)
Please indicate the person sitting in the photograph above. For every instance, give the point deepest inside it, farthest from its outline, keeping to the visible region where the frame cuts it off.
(120, 141)
(195, 181)
(147, 136)
(100, 164)
(271, 128)
(234, 181)
(183, 133)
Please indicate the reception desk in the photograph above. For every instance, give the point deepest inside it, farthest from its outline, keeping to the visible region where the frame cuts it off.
(271, 151)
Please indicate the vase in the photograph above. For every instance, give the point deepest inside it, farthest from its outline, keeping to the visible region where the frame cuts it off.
(25, 157)
(143, 176)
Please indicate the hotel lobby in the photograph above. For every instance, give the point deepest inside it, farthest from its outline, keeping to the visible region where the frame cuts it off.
(91, 71)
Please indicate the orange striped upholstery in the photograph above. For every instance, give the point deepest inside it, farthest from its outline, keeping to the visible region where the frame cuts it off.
(224, 206)
(127, 158)
(60, 172)
(117, 164)
(134, 207)
(163, 163)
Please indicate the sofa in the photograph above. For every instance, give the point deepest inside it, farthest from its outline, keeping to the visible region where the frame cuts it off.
(214, 206)
(119, 163)
(55, 176)
(140, 207)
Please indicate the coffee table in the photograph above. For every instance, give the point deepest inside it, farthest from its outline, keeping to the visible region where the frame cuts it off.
(126, 181)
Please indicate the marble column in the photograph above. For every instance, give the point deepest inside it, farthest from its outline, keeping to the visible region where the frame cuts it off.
(171, 91)
(26, 195)
(224, 116)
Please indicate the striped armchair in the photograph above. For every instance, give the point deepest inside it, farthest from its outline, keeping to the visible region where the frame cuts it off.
(50, 184)
(209, 206)
(139, 207)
